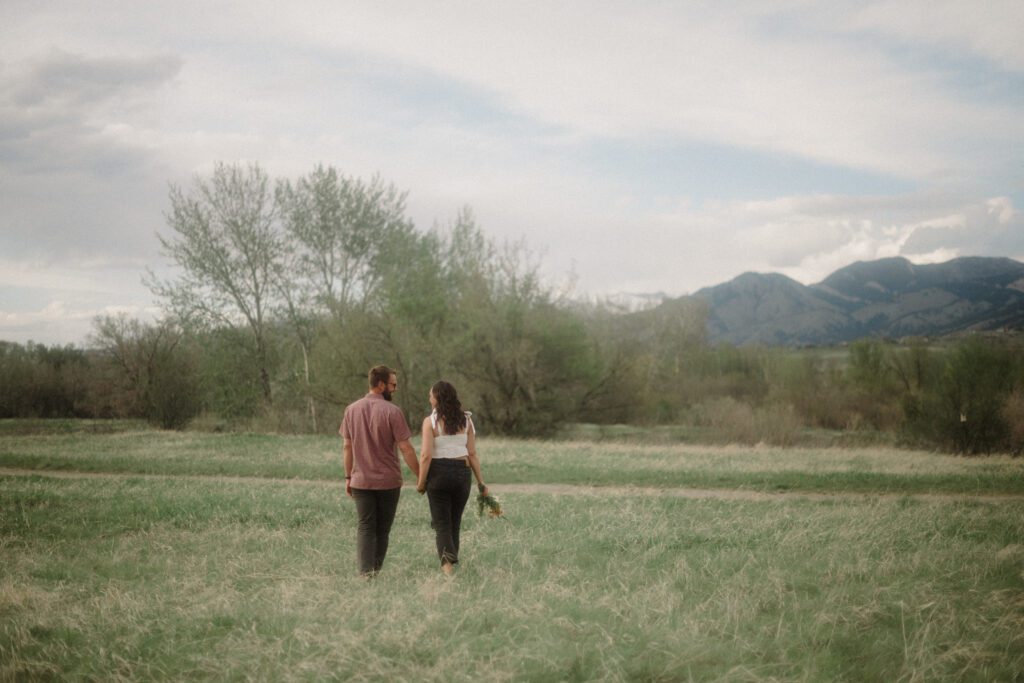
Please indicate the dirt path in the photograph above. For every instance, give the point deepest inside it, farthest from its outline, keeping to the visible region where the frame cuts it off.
(552, 489)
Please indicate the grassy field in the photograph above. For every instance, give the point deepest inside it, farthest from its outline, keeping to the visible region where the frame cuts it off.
(139, 578)
(131, 448)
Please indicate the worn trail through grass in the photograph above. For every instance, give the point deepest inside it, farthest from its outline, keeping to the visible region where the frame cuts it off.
(551, 489)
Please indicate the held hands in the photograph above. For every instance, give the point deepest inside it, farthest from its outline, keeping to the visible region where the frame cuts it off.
(421, 487)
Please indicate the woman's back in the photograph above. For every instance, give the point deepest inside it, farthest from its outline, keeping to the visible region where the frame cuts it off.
(450, 445)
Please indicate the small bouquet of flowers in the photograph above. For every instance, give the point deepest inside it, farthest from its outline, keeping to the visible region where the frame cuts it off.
(488, 503)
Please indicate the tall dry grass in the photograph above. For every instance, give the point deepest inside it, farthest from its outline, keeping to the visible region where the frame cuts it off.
(134, 579)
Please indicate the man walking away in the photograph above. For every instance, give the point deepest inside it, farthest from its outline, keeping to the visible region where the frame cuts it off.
(371, 428)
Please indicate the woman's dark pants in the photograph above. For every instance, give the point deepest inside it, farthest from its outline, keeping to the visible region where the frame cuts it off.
(447, 490)
(375, 510)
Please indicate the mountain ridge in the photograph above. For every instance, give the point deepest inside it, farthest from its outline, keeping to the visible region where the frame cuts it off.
(885, 298)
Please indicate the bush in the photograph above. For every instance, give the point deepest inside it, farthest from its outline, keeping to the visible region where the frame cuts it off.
(174, 398)
(1013, 415)
(964, 412)
(732, 421)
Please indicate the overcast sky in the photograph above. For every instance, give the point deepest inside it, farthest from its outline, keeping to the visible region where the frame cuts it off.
(643, 146)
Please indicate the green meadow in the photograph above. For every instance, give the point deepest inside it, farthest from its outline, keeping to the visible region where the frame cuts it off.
(133, 554)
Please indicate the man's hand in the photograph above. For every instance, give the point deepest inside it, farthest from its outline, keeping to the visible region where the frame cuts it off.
(348, 488)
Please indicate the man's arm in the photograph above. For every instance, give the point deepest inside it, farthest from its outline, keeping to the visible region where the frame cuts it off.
(347, 458)
(409, 453)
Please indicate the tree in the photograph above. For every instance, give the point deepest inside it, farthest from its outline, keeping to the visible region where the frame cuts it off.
(340, 228)
(341, 235)
(519, 353)
(619, 376)
(153, 372)
(226, 242)
(976, 384)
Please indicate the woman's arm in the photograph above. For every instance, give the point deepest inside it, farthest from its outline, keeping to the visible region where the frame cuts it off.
(426, 454)
(474, 460)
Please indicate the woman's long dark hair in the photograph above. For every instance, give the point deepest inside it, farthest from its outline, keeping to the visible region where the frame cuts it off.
(449, 408)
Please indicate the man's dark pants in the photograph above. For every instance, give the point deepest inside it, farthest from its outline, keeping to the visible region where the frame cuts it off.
(375, 510)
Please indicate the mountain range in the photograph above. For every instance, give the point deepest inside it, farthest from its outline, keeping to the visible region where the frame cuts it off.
(888, 298)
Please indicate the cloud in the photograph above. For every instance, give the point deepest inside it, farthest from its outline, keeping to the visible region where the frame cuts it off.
(685, 70)
(819, 82)
(804, 237)
(60, 110)
(59, 322)
(62, 81)
(73, 185)
(991, 30)
(990, 227)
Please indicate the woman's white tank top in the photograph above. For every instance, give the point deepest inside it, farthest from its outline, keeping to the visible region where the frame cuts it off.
(451, 445)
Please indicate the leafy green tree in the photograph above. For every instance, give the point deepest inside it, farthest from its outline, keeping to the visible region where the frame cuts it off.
(229, 388)
(618, 387)
(342, 235)
(340, 229)
(977, 381)
(1013, 414)
(520, 355)
(225, 240)
(916, 367)
(867, 365)
(671, 338)
(874, 384)
(16, 378)
(964, 409)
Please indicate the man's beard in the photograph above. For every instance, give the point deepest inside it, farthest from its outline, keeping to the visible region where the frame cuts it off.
(386, 395)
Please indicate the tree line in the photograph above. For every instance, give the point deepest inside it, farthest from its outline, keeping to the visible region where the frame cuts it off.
(287, 291)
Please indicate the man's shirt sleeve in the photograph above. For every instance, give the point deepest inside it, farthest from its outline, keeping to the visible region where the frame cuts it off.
(399, 427)
(344, 428)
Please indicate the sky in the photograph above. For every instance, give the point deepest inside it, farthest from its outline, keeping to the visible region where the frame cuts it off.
(637, 147)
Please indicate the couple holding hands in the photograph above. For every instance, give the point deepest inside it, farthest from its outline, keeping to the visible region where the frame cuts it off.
(372, 427)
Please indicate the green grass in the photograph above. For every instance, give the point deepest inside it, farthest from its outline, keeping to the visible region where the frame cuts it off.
(613, 463)
(157, 579)
(25, 426)
(806, 437)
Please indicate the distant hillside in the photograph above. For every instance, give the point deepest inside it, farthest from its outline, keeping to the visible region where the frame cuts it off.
(889, 298)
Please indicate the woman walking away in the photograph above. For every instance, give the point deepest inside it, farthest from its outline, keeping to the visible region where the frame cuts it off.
(447, 458)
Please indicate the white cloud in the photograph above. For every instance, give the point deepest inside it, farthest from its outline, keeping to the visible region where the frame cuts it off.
(682, 70)
(60, 322)
(721, 73)
(806, 238)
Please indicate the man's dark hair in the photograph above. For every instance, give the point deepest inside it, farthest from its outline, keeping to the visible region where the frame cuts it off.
(381, 373)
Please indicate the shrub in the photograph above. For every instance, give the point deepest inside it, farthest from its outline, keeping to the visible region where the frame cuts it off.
(732, 421)
(175, 400)
(964, 411)
(1013, 415)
